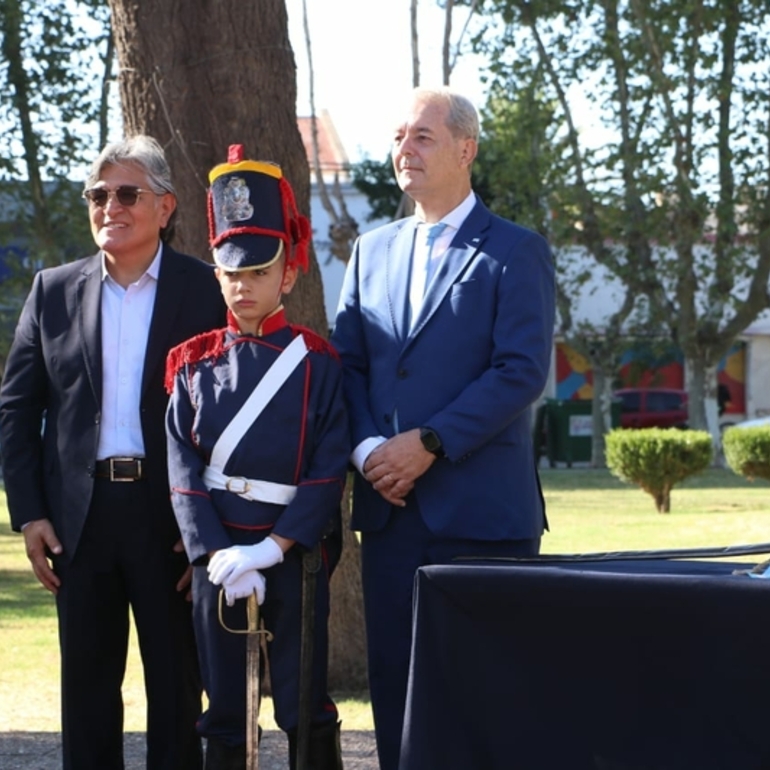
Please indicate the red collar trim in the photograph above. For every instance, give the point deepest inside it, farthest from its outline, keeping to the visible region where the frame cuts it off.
(271, 323)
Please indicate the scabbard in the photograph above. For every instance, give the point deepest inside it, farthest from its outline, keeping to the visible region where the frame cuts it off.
(311, 564)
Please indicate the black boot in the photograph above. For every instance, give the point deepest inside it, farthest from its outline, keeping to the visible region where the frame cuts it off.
(220, 756)
(324, 750)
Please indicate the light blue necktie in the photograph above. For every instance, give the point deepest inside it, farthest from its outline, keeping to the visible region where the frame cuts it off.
(433, 232)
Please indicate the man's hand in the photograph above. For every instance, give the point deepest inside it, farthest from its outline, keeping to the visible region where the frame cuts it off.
(394, 466)
(39, 535)
(184, 582)
(228, 564)
(245, 586)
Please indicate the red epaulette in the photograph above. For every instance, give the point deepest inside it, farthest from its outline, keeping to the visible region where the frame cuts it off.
(315, 342)
(206, 345)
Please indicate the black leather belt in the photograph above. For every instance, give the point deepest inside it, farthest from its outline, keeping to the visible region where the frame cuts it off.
(119, 469)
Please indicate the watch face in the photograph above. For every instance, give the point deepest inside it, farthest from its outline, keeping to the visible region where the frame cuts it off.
(430, 440)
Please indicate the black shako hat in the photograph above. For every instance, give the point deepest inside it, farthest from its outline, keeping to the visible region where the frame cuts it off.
(253, 216)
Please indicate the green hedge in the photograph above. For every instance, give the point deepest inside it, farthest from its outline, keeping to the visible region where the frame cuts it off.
(747, 451)
(656, 459)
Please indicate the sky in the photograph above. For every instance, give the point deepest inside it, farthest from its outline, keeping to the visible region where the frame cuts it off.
(362, 64)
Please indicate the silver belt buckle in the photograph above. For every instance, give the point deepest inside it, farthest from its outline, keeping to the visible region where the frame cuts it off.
(115, 460)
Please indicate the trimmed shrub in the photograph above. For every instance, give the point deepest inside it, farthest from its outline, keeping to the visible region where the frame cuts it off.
(747, 451)
(656, 459)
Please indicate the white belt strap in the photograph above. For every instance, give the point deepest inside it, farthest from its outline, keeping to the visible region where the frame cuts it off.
(252, 489)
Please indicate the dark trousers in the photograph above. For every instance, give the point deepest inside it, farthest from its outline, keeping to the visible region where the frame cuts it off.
(389, 560)
(223, 654)
(120, 565)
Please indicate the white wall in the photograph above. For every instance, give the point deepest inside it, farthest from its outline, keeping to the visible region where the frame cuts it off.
(758, 376)
(333, 269)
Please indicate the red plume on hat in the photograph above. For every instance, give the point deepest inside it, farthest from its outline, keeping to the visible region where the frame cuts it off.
(253, 215)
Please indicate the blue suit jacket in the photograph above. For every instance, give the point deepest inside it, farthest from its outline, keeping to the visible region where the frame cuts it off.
(475, 360)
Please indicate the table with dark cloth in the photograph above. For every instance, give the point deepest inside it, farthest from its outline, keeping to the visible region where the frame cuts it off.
(611, 665)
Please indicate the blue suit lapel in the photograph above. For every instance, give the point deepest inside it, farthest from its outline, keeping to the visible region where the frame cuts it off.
(398, 267)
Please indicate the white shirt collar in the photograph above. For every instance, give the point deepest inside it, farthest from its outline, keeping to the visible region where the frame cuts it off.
(457, 216)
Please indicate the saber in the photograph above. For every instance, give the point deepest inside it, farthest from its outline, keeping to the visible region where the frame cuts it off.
(253, 633)
(311, 564)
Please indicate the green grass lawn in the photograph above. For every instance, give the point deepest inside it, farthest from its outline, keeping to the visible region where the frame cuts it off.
(588, 510)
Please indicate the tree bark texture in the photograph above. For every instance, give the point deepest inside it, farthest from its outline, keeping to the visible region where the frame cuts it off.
(200, 75)
(347, 653)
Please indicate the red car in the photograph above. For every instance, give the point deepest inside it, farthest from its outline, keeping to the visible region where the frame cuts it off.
(652, 407)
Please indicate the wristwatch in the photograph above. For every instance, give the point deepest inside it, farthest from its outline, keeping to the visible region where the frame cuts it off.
(432, 442)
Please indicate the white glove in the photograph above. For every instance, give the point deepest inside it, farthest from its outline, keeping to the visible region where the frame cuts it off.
(229, 564)
(245, 586)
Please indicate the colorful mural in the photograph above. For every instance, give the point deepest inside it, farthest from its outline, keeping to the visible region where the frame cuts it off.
(649, 369)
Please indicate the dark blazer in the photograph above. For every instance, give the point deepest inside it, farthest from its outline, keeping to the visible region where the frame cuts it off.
(54, 373)
(470, 367)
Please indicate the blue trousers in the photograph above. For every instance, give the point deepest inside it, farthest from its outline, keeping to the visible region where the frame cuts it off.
(223, 654)
(389, 560)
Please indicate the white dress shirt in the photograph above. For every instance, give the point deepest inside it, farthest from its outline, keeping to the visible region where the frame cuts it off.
(126, 316)
(420, 270)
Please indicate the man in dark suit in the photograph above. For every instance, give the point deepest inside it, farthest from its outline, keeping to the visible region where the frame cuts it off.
(446, 342)
(82, 426)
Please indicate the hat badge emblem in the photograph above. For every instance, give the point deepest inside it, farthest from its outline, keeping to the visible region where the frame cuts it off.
(235, 201)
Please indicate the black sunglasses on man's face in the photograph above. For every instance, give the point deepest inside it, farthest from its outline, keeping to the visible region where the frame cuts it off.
(127, 195)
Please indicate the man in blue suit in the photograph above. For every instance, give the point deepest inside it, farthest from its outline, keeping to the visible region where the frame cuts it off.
(446, 342)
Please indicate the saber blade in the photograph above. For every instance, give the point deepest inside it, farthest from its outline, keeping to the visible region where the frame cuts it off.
(252, 684)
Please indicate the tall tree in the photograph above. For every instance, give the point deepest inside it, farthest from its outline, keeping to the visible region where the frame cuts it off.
(675, 200)
(343, 229)
(226, 77)
(518, 174)
(347, 652)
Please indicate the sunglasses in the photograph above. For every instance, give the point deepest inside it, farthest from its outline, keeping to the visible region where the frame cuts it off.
(126, 195)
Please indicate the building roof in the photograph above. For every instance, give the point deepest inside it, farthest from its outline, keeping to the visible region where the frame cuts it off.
(331, 154)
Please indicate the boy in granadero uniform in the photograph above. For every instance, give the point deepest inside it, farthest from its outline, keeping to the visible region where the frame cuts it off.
(257, 455)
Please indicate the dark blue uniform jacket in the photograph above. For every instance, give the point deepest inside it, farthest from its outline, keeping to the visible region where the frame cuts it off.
(301, 437)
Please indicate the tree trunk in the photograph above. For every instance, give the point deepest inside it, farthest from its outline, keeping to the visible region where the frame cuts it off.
(226, 76)
(702, 407)
(199, 79)
(663, 500)
(601, 416)
(347, 655)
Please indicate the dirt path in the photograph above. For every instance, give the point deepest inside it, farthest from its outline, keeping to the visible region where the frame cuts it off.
(42, 751)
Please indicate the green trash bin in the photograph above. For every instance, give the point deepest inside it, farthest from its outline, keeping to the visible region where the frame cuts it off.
(568, 429)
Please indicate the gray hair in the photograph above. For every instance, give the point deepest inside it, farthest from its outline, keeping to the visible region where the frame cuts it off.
(462, 117)
(143, 151)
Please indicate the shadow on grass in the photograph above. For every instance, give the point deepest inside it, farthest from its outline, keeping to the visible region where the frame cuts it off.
(22, 597)
(556, 479)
